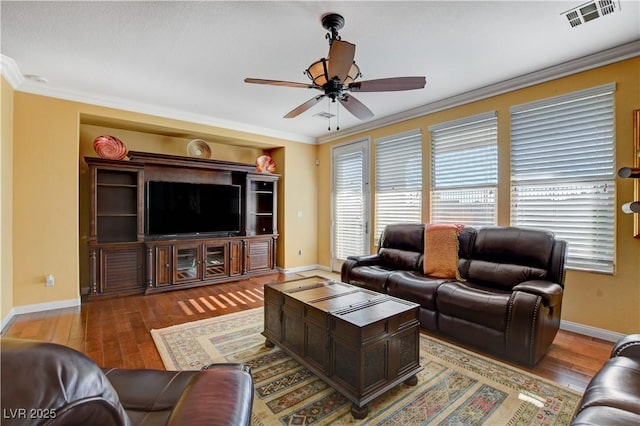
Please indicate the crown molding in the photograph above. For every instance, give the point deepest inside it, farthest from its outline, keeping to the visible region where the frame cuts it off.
(10, 71)
(606, 57)
(15, 78)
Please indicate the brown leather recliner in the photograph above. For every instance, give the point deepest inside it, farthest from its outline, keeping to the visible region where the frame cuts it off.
(508, 301)
(612, 397)
(49, 384)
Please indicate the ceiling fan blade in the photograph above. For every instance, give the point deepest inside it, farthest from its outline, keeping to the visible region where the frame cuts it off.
(356, 107)
(341, 57)
(278, 83)
(389, 84)
(305, 106)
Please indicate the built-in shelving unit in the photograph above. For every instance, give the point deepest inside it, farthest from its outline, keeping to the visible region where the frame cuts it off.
(117, 202)
(261, 198)
(124, 260)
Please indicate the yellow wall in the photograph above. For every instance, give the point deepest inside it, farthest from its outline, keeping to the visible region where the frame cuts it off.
(610, 302)
(297, 199)
(6, 195)
(51, 137)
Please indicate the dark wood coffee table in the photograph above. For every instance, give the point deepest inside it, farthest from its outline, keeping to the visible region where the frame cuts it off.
(360, 342)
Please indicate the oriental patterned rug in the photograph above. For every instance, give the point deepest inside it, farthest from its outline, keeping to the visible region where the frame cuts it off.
(456, 387)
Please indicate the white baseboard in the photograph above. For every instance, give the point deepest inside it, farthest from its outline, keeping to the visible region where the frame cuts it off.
(303, 269)
(39, 307)
(587, 330)
(6, 320)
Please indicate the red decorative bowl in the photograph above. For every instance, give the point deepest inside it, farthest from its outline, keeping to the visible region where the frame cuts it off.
(110, 147)
(265, 164)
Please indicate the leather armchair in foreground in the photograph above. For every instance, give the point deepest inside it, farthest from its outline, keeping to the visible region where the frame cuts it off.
(613, 395)
(49, 384)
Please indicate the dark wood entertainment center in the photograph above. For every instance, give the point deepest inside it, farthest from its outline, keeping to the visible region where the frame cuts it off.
(124, 260)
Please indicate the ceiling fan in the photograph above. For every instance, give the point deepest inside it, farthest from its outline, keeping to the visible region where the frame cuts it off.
(336, 76)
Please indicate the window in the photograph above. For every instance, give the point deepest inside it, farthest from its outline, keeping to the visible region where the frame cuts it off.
(562, 173)
(464, 171)
(350, 201)
(398, 180)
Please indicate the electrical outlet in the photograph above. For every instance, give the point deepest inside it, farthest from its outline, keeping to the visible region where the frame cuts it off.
(50, 280)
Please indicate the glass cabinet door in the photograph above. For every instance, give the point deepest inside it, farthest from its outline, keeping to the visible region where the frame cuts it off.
(187, 263)
(215, 260)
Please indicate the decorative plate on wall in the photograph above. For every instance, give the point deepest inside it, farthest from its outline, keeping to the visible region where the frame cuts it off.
(198, 148)
(110, 147)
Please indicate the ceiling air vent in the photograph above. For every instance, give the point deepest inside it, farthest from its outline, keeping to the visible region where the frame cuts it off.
(589, 11)
(324, 114)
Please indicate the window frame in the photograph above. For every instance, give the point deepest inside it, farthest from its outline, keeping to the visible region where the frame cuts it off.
(584, 180)
(403, 174)
(483, 179)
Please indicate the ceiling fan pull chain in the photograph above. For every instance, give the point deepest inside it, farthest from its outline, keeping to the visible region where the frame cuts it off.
(337, 117)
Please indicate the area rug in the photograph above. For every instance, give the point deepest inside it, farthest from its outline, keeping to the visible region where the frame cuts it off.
(456, 387)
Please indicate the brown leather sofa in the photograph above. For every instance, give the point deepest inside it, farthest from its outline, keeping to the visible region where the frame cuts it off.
(508, 302)
(49, 384)
(613, 395)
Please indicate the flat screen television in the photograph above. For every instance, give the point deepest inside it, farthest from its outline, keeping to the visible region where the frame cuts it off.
(174, 208)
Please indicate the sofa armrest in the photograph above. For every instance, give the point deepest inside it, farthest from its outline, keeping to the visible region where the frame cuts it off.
(221, 396)
(366, 260)
(353, 261)
(628, 346)
(551, 292)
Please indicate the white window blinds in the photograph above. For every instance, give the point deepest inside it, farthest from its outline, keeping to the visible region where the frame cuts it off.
(398, 180)
(350, 201)
(464, 170)
(562, 173)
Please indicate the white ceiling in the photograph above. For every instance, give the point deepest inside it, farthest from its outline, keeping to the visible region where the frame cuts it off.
(188, 60)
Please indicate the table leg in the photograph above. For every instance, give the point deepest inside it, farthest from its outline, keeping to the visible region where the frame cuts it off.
(411, 381)
(359, 413)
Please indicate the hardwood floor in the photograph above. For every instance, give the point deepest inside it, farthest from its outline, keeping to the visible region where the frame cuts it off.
(115, 332)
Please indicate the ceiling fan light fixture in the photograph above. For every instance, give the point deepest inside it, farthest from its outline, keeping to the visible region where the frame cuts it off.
(318, 73)
(354, 73)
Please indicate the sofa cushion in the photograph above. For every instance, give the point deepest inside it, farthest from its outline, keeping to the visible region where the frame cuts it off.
(466, 240)
(502, 274)
(370, 277)
(404, 236)
(506, 256)
(616, 384)
(520, 246)
(399, 259)
(473, 303)
(598, 416)
(441, 250)
(414, 287)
